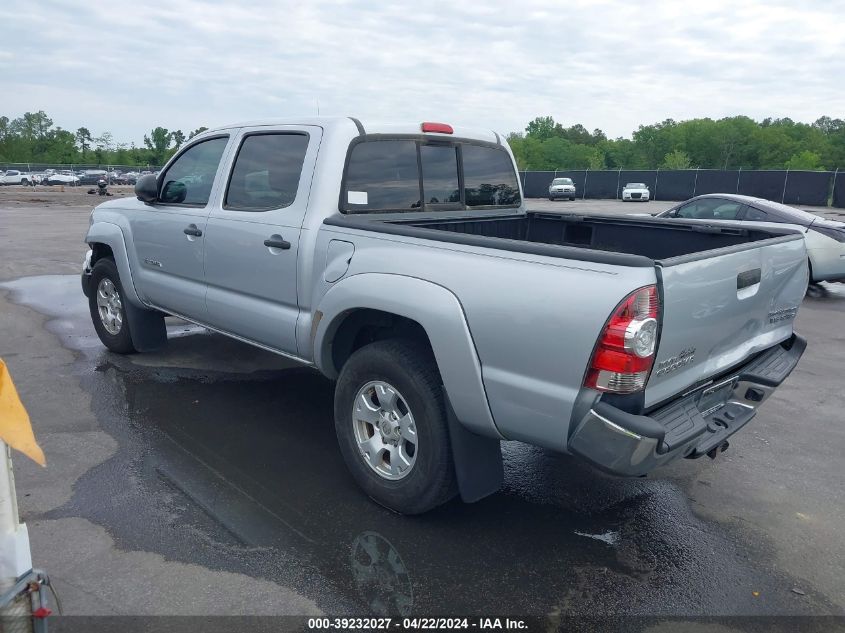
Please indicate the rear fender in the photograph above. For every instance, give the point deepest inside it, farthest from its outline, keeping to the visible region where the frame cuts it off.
(439, 313)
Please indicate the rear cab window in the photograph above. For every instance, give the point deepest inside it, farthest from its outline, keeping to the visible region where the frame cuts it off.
(412, 174)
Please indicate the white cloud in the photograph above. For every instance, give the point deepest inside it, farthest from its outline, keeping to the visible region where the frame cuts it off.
(610, 64)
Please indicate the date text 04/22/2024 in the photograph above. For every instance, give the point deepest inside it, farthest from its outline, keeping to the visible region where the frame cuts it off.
(420, 623)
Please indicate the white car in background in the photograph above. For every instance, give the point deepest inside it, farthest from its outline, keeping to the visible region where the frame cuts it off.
(636, 191)
(16, 177)
(562, 188)
(824, 239)
(63, 177)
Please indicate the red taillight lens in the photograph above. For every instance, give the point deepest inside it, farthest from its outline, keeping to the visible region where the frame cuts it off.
(625, 352)
(442, 128)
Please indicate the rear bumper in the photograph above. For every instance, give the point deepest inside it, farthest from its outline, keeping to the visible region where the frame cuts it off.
(631, 445)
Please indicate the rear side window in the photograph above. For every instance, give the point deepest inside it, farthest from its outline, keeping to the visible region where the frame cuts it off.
(489, 177)
(756, 215)
(409, 175)
(266, 172)
(189, 179)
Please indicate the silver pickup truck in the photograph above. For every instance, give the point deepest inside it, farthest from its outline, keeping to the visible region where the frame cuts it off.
(401, 261)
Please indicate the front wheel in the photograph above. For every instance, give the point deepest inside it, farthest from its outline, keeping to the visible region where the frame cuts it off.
(390, 420)
(107, 310)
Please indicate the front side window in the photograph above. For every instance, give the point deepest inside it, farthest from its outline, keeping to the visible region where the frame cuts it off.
(189, 179)
(710, 209)
(408, 175)
(266, 172)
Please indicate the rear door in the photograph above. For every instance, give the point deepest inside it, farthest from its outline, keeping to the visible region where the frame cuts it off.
(253, 235)
(721, 308)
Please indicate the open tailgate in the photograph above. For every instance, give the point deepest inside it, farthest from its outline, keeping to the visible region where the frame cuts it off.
(721, 307)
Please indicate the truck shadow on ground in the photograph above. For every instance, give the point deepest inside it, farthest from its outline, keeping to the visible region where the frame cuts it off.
(240, 471)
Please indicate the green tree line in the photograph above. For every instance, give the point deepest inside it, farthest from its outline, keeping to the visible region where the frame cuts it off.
(32, 138)
(727, 143)
(545, 144)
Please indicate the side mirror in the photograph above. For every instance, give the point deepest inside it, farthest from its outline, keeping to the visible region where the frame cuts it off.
(146, 189)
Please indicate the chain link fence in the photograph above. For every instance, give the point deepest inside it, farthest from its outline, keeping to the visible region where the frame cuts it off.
(82, 174)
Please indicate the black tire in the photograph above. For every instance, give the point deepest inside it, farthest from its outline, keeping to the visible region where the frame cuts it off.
(121, 342)
(572, 199)
(411, 369)
(551, 199)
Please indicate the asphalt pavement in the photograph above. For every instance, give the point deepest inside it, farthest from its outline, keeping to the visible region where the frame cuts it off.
(205, 479)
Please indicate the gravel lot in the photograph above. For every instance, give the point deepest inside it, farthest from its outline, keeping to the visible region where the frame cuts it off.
(204, 479)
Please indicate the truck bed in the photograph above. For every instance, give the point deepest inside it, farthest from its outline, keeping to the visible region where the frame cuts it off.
(620, 240)
(646, 237)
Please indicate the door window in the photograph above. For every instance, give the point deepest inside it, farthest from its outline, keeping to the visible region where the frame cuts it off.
(710, 209)
(266, 172)
(189, 179)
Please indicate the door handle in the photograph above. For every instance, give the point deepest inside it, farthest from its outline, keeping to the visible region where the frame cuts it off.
(277, 242)
(192, 230)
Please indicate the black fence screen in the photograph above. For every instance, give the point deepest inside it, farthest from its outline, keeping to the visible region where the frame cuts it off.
(839, 191)
(716, 181)
(791, 187)
(601, 184)
(675, 184)
(762, 184)
(807, 187)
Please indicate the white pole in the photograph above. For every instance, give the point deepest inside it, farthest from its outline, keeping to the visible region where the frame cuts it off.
(618, 182)
(15, 557)
(833, 189)
(785, 180)
(656, 178)
(584, 193)
(738, 176)
(695, 183)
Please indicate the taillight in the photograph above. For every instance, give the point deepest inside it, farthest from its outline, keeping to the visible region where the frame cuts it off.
(441, 128)
(625, 351)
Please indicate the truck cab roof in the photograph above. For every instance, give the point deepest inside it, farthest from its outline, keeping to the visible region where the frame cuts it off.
(330, 123)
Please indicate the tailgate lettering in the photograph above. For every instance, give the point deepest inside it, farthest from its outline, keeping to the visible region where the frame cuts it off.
(676, 362)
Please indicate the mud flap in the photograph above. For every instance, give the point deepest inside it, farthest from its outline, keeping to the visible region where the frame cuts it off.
(478, 460)
(146, 328)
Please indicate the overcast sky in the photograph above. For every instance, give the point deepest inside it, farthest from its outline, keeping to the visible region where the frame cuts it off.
(126, 67)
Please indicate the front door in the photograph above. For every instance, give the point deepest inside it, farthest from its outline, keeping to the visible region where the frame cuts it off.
(169, 235)
(252, 237)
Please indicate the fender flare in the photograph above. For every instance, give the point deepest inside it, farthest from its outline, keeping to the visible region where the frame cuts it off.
(112, 236)
(442, 317)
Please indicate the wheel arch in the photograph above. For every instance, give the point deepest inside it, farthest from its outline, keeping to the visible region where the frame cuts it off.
(369, 305)
(107, 240)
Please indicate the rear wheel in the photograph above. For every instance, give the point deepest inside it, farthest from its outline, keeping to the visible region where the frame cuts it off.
(390, 420)
(107, 310)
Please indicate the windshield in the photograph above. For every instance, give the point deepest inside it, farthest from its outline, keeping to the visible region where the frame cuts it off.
(635, 185)
(562, 181)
